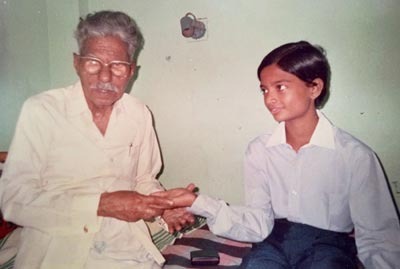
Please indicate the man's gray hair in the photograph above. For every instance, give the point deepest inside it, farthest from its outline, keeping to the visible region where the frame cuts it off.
(110, 23)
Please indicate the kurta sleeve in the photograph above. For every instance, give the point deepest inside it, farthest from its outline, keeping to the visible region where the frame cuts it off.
(149, 162)
(24, 200)
(373, 213)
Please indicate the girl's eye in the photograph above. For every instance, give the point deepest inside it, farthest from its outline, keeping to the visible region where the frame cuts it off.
(281, 87)
(263, 91)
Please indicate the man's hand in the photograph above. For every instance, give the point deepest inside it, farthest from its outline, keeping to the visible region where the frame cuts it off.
(182, 197)
(177, 219)
(132, 206)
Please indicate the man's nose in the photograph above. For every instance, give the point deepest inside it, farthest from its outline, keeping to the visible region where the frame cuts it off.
(105, 74)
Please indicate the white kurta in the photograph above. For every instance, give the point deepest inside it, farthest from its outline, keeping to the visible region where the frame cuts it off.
(58, 166)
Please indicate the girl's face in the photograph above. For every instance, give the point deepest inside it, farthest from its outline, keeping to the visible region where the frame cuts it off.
(287, 97)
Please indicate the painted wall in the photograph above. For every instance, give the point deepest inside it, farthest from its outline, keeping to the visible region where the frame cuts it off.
(204, 94)
(24, 59)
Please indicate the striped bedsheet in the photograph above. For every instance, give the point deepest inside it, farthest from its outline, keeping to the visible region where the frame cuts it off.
(230, 252)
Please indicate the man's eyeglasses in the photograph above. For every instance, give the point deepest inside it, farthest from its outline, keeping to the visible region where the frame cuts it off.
(94, 65)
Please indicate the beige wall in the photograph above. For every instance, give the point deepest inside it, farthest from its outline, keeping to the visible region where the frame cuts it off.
(204, 95)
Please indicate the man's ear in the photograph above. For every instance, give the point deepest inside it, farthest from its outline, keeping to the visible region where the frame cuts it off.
(316, 88)
(76, 62)
(133, 69)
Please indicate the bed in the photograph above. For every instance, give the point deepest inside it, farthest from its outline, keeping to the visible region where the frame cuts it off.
(175, 248)
(230, 252)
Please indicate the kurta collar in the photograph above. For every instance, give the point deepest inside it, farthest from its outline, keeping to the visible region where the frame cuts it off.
(76, 103)
(323, 135)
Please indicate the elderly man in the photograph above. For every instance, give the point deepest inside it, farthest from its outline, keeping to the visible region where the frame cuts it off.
(83, 161)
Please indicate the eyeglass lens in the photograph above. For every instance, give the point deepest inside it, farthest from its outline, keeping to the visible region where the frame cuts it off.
(93, 66)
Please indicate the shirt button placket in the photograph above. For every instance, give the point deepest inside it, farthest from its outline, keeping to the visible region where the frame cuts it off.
(296, 187)
(293, 195)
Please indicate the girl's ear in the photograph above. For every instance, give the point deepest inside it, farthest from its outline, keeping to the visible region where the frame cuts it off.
(316, 88)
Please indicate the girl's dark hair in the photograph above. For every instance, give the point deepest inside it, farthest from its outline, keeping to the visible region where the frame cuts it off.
(305, 61)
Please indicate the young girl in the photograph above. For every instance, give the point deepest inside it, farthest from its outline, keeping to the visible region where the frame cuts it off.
(308, 184)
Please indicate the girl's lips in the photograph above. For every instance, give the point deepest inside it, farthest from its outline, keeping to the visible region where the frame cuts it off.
(275, 110)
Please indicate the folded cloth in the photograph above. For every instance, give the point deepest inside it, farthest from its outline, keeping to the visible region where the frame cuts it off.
(162, 238)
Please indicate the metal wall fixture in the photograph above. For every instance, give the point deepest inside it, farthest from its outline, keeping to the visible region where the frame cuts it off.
(192, 27)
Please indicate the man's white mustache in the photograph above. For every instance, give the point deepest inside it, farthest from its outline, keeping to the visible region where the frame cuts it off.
(104, 87)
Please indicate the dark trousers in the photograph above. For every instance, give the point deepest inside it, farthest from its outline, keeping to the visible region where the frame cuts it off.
(293, 245)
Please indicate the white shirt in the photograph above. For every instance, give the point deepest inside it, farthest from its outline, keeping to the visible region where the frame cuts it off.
(57, 167)
(335, 183)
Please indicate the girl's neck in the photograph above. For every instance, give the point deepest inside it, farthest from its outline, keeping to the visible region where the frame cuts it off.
(299, 133)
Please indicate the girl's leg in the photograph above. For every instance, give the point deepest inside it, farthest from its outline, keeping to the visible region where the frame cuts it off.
(330, 252)
(265, 256)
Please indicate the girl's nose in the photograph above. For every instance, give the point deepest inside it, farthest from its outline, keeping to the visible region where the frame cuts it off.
(270, 98)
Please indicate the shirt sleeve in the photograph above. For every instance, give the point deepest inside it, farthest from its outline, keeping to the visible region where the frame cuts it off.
(374, 215)
(23, 198)
(235, 222)
(149, 162)
(250, 223)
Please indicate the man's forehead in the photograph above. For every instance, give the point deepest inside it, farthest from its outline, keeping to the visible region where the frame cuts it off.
(105, 45)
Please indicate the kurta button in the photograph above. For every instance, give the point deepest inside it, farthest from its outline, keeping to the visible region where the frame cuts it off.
(85, 229)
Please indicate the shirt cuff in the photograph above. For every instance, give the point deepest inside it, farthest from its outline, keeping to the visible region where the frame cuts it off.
(206, 206)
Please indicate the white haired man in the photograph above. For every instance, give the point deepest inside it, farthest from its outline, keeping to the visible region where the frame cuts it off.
(84, 159)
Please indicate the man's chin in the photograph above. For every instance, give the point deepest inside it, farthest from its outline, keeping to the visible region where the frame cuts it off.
(103, 102)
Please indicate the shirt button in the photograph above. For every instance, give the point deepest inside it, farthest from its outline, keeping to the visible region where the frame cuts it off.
(294, 192)
(85, 229)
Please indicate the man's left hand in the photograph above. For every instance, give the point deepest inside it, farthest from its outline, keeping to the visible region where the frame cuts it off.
(177, 218)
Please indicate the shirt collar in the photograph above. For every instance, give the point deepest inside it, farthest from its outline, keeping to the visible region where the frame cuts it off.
(323, 135)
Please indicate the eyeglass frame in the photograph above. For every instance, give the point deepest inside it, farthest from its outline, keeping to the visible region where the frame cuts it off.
(129, 64)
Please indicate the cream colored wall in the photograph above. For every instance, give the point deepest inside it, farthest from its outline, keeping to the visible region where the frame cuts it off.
(204, 95)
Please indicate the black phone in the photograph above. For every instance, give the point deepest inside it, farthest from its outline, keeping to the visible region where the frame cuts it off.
(204, 257)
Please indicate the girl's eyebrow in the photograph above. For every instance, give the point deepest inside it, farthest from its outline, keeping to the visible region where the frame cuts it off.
(280, 81)
(276, 82)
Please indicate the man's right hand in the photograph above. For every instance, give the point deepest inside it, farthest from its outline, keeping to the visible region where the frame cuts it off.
(132, 206)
